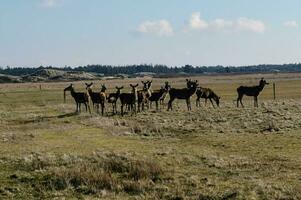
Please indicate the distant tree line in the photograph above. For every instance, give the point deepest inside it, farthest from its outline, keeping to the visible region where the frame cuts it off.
(158, 69)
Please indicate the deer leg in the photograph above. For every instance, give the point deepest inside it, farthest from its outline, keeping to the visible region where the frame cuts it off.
(240, 100)
(169, 104)
(76, 110)
(88, 105)
(187, 104)
(102, 108)
(256, 101)
(79, 107)
(157, 105)
(121, 109)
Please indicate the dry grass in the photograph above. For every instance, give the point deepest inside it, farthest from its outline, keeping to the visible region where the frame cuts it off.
(47, 151)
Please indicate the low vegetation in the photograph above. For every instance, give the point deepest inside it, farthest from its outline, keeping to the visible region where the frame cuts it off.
(50, 152)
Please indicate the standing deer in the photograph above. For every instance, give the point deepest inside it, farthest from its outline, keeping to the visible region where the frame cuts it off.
(163, 97)
(253, 91)
(103, 98)
(156, 96)
(113, 97)
(143, 95)
(130, 99)
(98, 98)
(161, 94)
(184, 93)
(206, 93)
(79, 97)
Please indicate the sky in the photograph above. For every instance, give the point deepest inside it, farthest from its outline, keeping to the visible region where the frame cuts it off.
(171, 32)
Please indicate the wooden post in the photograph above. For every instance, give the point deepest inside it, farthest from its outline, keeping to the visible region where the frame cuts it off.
(274, 90)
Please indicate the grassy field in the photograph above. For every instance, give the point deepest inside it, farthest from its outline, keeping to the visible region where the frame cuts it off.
(49, 152)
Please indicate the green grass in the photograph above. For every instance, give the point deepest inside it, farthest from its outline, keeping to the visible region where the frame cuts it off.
(225, 153)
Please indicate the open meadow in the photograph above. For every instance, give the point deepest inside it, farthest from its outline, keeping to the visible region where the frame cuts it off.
(49, 152)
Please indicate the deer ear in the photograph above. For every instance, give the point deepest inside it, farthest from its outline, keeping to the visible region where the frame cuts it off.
(136, 85)
(142, 82)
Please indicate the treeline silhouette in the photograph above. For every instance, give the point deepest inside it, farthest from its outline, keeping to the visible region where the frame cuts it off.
(158, 69)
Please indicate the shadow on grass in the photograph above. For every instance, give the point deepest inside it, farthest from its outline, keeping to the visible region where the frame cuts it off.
(66, 115)
(44, 118)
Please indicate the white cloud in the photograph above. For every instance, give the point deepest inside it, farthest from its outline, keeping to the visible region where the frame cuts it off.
(291, 23)
(222, 24)
(196, 22)
(241, 24)
(246, 24)
(49, 3)
(158, 28)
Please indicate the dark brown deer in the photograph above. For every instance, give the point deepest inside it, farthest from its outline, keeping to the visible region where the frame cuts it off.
(253, 91)
(143, 95)
(79, 97)
(156, 96)
(184, 93)
(98, 98)
(130, 99)
(161, 94)
(206, 93)
(113, 97)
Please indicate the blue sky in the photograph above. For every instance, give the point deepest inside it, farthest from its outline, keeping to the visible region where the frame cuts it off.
(171, 32)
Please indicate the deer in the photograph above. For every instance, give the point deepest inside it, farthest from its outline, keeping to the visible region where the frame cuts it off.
(184, 93)
(79, 97)
(156, 96)
(163, 97)
(206, 93)
(98, 98)
(159, 95)
(143, 95)
(129, 99)
(253, 91)
(113, 97)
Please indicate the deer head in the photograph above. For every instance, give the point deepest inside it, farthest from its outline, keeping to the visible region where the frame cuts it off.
(217, 98)
(103, 88)
(89, 86)
(118, 89)
(167, 86)
(69, 88)
(263, 82)
(145, 85)
(149, 84)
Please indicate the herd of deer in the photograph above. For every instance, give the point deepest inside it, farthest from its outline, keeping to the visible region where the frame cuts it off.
(137, 100)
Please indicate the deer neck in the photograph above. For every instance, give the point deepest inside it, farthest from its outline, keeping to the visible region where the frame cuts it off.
(260, 87)
(135, 94)
(90, 91)
(72, 92)
(192, 90)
